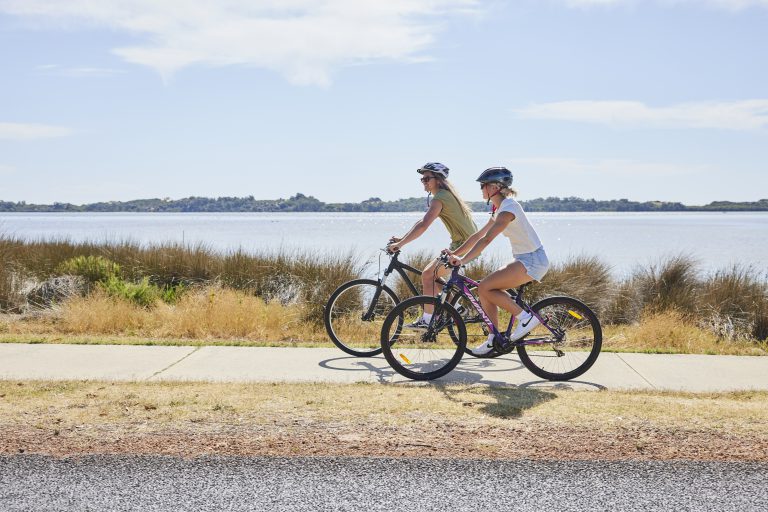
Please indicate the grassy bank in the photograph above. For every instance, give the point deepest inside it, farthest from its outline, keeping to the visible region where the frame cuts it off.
(78, 291)
(189, 419)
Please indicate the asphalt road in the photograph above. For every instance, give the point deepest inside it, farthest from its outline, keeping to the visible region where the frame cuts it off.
(150, 483)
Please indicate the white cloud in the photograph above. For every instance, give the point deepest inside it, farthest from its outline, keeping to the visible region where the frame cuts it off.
(606, 166)
(21, 131)
(304, 40)
(731, 5)
(738, 115)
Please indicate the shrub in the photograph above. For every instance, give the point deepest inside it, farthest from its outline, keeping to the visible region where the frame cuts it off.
(584, 277)
(671, 284)
(142, 293)
(94, 269)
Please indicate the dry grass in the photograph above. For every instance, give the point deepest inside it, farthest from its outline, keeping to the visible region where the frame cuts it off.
(731, 304)
(389, 420)
(219, 315)
(670, 332)
(203, 313)
(287, 276)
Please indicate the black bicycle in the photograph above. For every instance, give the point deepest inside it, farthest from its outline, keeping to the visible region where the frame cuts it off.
(355, 312)
(563, 346)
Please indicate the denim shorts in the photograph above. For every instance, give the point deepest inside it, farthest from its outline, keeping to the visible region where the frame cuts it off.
(536, 263)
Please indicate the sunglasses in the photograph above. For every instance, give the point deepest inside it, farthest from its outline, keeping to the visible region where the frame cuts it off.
(426, 179)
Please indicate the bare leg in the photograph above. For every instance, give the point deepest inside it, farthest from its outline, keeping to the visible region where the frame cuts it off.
(428, 283)
(492, 290)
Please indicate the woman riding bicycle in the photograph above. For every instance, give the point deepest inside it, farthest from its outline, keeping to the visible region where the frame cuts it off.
(456, 216)
(530, 261)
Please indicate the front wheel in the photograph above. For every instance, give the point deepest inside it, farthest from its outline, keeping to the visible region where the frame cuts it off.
(571, 349)
(355, 313)
(423, 353)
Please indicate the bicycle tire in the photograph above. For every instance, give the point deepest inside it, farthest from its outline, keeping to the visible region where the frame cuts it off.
(579, 322)
(425, 356)
(343, 316)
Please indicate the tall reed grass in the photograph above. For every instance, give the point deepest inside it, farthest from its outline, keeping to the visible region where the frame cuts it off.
(731, 303)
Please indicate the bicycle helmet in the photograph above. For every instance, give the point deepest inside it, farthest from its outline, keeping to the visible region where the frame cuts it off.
(496, 175)
(435, 168)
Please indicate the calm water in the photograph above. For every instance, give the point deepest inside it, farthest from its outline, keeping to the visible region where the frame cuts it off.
(623, 240)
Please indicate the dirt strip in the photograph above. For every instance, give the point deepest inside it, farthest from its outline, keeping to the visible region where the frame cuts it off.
(535, 442)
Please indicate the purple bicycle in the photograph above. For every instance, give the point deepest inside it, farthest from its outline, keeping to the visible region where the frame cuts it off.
(565, 344)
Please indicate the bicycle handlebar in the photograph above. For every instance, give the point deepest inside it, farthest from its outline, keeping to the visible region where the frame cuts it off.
(443, 258)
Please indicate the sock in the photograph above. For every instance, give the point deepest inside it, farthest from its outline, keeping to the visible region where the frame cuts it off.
(489, 341)
(427, 317)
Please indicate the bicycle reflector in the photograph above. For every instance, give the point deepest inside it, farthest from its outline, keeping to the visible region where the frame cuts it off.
(575, 315)
(402, 356)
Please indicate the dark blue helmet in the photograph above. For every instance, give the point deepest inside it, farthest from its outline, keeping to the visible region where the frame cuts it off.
(496, 175)
(435, 168)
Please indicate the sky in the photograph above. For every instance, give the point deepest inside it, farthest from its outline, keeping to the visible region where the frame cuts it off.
(344, 99)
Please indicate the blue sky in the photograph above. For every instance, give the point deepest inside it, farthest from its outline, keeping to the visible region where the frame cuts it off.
(344, 99)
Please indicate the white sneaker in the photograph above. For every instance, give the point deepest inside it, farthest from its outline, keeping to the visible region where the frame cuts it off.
(524, 326)
(484, 348)
(418, 325)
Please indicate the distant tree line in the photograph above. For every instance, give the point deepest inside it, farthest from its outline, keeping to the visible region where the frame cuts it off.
(302, 203)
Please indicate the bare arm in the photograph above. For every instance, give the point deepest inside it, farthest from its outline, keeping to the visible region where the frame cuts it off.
(419, 228)
(472, 240)
(502, 220)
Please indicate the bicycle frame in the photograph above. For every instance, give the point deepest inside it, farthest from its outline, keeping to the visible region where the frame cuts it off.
(459, 282)
(395, 265)
(398, 266)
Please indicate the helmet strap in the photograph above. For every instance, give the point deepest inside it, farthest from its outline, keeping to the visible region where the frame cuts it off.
(428, 196)
(491, 196)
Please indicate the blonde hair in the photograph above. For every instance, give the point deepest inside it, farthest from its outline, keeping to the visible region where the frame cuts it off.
(507, 191)
(445, 184)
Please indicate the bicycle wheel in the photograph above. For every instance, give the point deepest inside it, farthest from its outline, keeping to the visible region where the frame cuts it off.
(477, 330)
(423, 354)
(353, 321)
(572, 350)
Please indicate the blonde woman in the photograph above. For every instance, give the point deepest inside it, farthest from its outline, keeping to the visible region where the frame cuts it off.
(455, 215)
(530, 261)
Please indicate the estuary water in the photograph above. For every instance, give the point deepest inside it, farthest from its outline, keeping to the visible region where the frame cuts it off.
(623, 240)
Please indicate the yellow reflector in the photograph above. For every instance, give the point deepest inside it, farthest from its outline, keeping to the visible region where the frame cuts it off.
(574, 314)
(402, 356)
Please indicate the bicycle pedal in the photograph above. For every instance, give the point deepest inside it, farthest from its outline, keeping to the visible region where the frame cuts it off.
(503, 345)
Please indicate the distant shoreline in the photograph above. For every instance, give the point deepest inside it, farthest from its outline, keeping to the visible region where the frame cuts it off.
(302, 203)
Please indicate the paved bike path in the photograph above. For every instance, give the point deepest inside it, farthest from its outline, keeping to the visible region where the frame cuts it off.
(698, 373)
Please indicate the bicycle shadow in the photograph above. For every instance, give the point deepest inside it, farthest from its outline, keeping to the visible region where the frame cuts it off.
(382, 372)
(507, 402)
(467, 373)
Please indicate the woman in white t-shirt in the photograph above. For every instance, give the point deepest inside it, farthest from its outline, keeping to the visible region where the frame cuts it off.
(530, 261)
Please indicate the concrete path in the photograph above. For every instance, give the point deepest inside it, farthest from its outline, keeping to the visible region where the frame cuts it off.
(271, 364)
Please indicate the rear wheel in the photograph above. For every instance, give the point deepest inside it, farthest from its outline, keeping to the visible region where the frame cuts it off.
(423, 354)
(355, 313)
(572, 349)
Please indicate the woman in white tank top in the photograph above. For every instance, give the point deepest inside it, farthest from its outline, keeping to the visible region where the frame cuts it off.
(530, 261)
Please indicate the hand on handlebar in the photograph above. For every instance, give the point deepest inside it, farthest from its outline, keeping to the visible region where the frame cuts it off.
(393, 244)
(449, 260)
